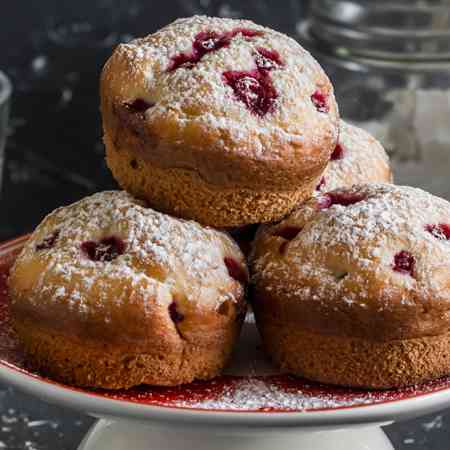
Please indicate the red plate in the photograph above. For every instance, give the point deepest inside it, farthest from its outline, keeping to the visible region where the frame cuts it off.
(250, 385)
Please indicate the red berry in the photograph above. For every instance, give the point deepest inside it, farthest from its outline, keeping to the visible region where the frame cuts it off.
(339, 198)
(236, 270)
(139, 105)
(321, 184)
(106, 249)
(207, 42)
(246, 32)
(320, 102)
(324, 202)
(440, 231)
(254, 89)
(288, 232)
(404, 262)
(48, 242)
(346, 198)
(175, 315)
(338, 153)
(267, 59)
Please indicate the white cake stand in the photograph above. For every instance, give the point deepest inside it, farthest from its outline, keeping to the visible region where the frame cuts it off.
(301, 416)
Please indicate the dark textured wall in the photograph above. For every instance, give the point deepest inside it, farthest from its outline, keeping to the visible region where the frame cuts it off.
(53, 51)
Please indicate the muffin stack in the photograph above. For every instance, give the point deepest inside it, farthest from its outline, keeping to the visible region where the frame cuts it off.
(223, 123)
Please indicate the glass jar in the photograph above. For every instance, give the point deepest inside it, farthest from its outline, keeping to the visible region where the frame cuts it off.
(5, 94)
(390, 64)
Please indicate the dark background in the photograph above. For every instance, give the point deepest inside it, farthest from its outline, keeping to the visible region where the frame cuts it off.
(53, 52)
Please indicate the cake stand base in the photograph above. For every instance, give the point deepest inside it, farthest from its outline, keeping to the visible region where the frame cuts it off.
(124, 435)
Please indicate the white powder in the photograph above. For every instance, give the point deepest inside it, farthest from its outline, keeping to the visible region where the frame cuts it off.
(257, 394)
(435, 423)
(361, 240)
(163, 256)
(199, 96)
(364, 160)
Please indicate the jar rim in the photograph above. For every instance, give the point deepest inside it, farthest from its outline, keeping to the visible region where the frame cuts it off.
(344, 57)
(385, 30)
(5, 88)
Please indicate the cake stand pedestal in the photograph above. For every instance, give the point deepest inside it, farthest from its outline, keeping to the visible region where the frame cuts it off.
(129, 435)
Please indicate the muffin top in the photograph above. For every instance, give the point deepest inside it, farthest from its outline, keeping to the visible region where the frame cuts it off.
(358, 158)
(237, 102)
(110, 261)
(371, 261)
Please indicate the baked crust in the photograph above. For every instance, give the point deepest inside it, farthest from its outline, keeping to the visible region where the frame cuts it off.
(369, 274)
(184, 193)
(306, 282)
(358, 159)
(195, 121)
(356, 362)
(95, 363)
(166, 288)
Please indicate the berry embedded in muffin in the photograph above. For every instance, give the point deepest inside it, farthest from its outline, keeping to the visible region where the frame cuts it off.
(357, 158)
(218, 120)
(353, 288)
(110, 293)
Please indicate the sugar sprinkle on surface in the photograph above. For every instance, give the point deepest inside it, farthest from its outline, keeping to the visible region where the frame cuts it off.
(163, 255)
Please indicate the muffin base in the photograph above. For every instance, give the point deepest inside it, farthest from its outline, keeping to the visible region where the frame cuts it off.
(356, 362)
(183, 193)
(99, 364)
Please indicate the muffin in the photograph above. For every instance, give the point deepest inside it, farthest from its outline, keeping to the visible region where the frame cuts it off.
(358, 158)
(353, 288)
(218, 120)
(108, 293)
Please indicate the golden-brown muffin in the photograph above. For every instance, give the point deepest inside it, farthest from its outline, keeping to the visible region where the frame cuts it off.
(218, 120)
(353, 288)
(358, 158)
(108, 293)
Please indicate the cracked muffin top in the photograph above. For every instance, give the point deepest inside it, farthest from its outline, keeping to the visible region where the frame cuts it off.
(110, 267)
(239, 103)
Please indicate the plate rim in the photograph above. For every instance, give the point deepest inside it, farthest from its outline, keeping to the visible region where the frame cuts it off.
(96, 404)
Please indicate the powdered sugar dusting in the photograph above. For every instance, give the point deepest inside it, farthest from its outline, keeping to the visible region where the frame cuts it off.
(270, 394)
(364, 160)
(162, 256)
(250, 387)
(197, 95)
(344, 256)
